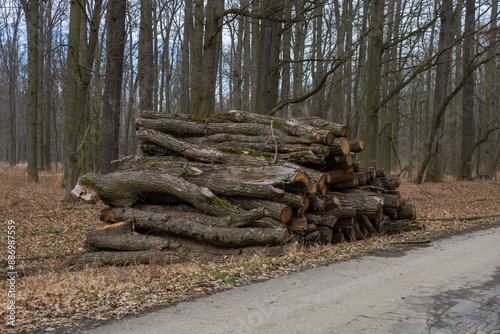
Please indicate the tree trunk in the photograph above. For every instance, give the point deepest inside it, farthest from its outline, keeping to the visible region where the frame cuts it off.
(465, 170)
(31, 11)
(156, 213)
(115, 45)
(146, 56)
(433, 147)
(80, 60)
(211, 51)
(268, 55)
(225, 237)
(371, 132)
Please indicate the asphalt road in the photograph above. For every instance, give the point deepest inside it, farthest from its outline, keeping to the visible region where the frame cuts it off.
(450, 286)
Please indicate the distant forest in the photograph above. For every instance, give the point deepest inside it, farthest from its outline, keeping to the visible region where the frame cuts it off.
(417, 81)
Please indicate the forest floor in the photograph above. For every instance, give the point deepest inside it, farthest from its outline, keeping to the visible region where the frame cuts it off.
(58, 300)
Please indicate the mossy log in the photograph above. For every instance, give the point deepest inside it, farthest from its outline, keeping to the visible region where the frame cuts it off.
(212, 123)
(222, 138)
(175, 125)
(188, 226)
(221, 154)
(127, 187)
(280, 146)
(155, 213)
(287, 176)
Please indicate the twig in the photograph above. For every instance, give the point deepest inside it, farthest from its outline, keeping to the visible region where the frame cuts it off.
(411, 242)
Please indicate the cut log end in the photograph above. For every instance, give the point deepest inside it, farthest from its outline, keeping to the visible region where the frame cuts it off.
(85, 193)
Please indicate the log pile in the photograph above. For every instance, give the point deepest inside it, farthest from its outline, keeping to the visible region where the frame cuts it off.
(235, 184)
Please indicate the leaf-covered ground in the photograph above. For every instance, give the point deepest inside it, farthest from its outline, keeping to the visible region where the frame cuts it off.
(48, 230)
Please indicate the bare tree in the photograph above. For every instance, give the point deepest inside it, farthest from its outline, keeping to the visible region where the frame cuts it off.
(32, 13)
(433, 150)
(80, 60)
(465, 170)
(115, 45)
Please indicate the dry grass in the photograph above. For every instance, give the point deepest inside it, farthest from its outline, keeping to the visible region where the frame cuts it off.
(48, 230)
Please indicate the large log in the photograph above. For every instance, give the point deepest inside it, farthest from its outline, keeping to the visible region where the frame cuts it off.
(173, 124)
(115, 237)
(212, 122)
(127, 187)
(222, 138)
(288, 176)
(187, 226)
(155, 213)
(338, 130)
(189, 251)
(191, 151)
(280, 146)
(364, 204)
(222, 155)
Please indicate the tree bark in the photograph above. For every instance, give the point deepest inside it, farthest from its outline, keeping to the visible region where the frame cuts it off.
(465, 170)
(371, 131)
(433, 147)
(120, 236)
(156, 212)
(115, 45)
(31, 11)
(128, 187)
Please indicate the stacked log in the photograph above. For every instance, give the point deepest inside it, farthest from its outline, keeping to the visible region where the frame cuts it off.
(239, 180)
